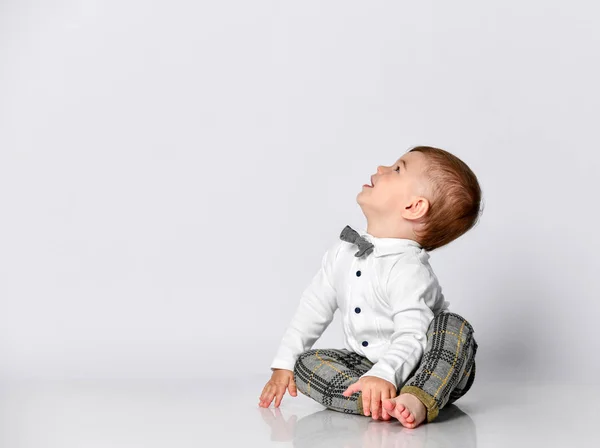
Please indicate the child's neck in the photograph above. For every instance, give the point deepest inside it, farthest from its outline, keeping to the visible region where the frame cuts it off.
(385, 230)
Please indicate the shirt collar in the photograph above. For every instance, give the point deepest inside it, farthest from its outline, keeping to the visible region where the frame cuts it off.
(388, 246)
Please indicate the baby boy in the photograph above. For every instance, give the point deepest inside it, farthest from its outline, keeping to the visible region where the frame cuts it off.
(405, 355)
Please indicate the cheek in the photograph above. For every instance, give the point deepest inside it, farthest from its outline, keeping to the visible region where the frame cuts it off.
(387, 197)
(392, 188)
(393, 196)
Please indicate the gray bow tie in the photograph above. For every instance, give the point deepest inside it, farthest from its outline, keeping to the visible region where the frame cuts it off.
(351, 236)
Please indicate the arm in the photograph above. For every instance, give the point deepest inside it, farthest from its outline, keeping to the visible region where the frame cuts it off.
(412, 290)
(313, 315)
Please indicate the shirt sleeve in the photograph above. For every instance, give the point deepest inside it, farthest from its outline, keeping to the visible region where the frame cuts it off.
(412, 292)
(313, 315)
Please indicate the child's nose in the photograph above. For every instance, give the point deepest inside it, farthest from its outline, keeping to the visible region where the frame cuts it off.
(380, 169)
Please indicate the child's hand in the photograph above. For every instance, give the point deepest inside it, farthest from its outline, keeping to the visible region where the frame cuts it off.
(374, 391)
(275, 388)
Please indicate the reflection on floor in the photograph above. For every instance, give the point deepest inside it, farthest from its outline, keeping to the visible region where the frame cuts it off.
(329, 428)
(224, 412)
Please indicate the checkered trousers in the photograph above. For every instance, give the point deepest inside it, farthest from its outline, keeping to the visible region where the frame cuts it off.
(445, 373)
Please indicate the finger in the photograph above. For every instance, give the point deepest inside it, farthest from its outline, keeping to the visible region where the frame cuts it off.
(264, 403)
(384, 396)
(292, 388)
(393, 393)
(270, 396)
(279, 396)
(263, 395)
(351, 389)
(366, 399)
(375, 403)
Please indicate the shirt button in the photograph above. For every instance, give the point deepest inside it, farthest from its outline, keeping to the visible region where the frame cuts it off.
(365, 343)
(358, 273)
(357, 310)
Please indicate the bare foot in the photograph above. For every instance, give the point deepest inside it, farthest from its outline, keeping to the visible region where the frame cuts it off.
(407, 408)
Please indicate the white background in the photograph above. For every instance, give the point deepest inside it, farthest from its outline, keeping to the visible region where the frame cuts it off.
(171, 174)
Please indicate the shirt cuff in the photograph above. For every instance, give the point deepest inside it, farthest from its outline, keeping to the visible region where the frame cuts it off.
(283, 364)
(383, 372)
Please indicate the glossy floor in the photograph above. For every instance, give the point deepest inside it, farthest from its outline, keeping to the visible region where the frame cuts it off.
(225, 413)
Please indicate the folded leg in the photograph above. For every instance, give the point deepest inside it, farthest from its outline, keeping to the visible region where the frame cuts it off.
(324, 374)
(447, 369)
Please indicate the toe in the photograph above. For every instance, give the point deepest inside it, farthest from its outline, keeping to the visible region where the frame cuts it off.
(399, 411)
(388, 405)
(410, 419)
(405, 413)
(396, 413)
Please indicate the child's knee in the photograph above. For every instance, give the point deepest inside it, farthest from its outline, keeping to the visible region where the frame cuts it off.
(456, 322)
(301, 362)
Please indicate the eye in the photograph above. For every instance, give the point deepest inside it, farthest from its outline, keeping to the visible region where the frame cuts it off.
(397, 168)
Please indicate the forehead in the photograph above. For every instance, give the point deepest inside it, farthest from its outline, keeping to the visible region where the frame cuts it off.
(414, 160)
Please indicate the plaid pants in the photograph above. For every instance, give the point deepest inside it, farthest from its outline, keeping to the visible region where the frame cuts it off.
(445, 373)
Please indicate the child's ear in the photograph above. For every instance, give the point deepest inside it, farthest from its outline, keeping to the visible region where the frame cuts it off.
(417, 208)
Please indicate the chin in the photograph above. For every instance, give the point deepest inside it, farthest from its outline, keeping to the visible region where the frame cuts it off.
(360, 200)
(362, 192)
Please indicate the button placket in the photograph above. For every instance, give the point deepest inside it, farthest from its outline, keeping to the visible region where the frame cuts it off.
(357, 309)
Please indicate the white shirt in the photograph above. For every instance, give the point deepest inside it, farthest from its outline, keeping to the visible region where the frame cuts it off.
(387, 301)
